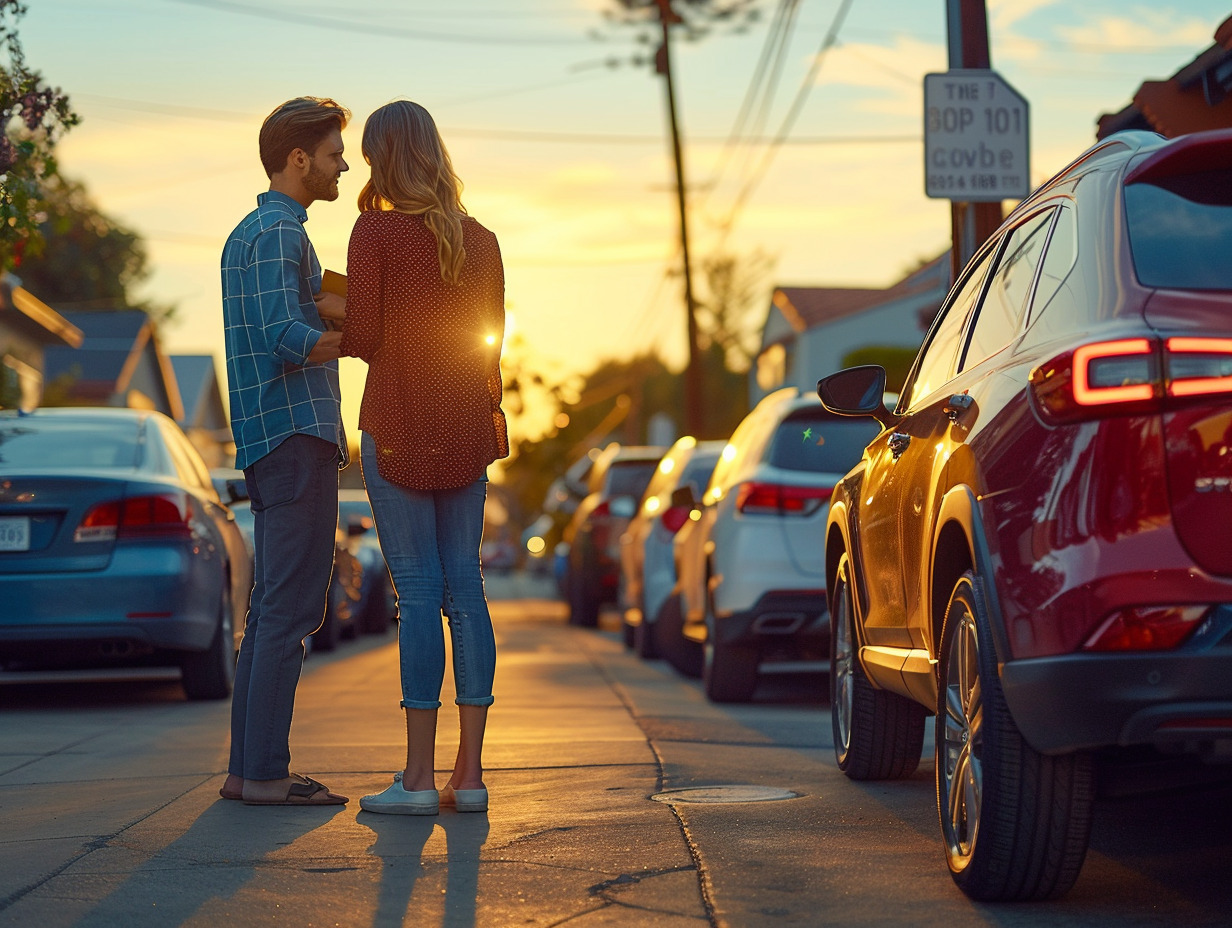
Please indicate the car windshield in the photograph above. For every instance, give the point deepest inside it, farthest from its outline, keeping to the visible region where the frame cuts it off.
(630, 478)
(1179, 229)
(819, 444)
(31, 441)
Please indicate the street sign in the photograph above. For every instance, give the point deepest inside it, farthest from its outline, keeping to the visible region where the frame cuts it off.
(977, 144)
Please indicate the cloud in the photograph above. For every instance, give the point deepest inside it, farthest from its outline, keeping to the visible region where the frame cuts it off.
(891, 77)
(1003, 14)
(1144, 28)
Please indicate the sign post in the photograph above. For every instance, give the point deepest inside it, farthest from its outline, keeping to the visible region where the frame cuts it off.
(976, 137)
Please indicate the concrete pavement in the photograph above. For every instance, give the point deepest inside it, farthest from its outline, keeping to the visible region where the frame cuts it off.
(111, 813)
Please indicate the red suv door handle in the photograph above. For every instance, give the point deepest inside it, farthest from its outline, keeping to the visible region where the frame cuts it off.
(958, 404)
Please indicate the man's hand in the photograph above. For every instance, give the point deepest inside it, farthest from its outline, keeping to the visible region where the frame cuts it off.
(328, 348)
(331, 308)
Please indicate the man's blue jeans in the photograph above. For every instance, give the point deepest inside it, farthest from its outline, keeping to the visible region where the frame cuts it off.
(430, 540)
(294, 493)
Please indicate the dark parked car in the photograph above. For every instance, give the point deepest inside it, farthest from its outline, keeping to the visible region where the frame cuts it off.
(377, 608)
(115, 548)
(345, 606)
(1036, 548)
(616, 482)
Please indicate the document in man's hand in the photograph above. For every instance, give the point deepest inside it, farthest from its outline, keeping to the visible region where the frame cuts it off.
(333, 282)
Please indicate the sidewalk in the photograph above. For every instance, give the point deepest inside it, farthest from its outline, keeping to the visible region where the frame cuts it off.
(112, 817)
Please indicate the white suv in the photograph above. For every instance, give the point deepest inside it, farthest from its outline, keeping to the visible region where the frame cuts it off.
(751, 565)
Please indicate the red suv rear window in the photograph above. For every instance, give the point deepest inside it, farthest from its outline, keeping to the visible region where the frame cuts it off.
(1179, 230)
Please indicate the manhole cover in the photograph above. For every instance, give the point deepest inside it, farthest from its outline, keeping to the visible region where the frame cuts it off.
(725, 794)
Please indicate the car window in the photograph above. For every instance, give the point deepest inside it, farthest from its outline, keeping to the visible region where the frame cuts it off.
(936, 364)
(820, 444)
(1062, 252)
(697, 472)
(667, 472)
(1002, 309)
(42, 442)
(629, 478)
(1179, 229)
(188, 463)
(746, 435)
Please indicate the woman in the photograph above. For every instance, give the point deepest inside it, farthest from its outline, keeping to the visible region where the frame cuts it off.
(425, 309)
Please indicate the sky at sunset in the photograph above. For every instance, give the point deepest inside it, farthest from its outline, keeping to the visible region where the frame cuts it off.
(563, 156)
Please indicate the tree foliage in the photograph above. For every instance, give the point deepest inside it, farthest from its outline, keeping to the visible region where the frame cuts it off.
(732, 304)
(85, 260)
(32, 118)
(698, 18)
(617, 402)
(896, 360)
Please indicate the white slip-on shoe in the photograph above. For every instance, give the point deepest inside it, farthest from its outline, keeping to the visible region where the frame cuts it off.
(395, 800)
(465, 800)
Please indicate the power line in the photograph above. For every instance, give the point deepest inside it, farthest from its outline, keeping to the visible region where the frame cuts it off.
(285, 15)
(510, 135)
(793, 112)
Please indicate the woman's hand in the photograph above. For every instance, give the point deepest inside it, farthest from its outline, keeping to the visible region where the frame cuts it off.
(327, 348)
(331, 308)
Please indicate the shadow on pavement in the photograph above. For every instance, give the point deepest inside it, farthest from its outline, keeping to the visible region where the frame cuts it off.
(218, 855)
(399, 845)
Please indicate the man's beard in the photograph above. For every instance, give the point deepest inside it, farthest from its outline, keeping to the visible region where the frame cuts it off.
(321, 184)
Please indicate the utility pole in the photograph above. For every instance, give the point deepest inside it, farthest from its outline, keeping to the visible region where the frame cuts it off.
(694, 423)
(971, 223)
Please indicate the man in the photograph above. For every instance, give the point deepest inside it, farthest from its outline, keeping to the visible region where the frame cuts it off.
(282, 353)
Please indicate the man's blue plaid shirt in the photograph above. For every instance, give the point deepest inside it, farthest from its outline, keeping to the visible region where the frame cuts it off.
(269, 274)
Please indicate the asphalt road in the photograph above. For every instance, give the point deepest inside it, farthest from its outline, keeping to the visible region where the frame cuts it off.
(109, 814)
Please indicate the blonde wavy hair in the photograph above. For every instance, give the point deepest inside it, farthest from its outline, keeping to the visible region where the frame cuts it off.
(412, 173)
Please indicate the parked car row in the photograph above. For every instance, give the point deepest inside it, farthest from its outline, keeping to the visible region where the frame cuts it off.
(719, 565)
(1032, 545)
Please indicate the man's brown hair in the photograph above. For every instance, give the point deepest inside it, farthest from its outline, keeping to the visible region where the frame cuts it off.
(300, 123)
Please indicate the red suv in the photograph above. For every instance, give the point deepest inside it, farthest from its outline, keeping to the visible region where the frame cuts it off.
(1038, 546)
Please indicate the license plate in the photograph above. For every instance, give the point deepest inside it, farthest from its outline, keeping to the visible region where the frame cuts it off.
(14, 533)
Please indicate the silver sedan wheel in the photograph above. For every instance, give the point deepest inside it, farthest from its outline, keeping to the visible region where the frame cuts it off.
(964, 737)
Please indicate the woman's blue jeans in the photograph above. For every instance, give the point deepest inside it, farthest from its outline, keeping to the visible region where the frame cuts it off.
(430, 539)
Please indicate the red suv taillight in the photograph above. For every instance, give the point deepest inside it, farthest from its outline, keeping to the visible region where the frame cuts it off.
(136, 516)
(1131, 375)
(756, 498)
(674, 518)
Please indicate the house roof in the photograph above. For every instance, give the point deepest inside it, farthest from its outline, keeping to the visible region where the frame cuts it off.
(197, 378)
(194, 374)
(23, 311)
(807, 307)
(113, 345)
(1196, 98)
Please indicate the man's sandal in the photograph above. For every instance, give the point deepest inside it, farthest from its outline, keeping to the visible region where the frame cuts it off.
(304, 791)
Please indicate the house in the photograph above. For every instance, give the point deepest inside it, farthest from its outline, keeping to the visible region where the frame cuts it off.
(809, 331)
(28, 327)
(1195, 98)
(205, 419)
(119, 363)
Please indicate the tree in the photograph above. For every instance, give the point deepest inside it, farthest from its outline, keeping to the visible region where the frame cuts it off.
(32, 118)
(734, 289)
(697, 17)
(86, 260)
